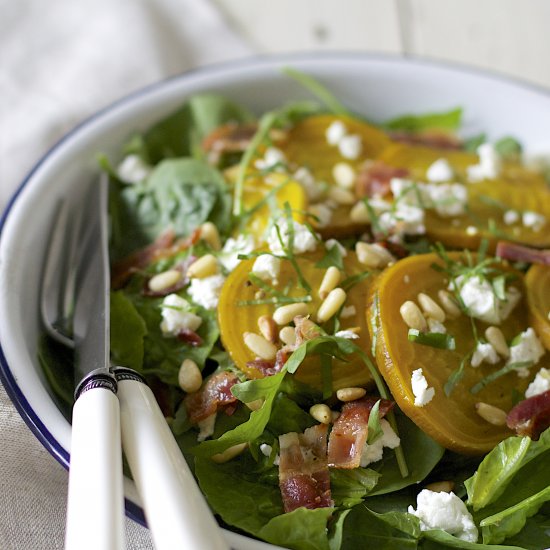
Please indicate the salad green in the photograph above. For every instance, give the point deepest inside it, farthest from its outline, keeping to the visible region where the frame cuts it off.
(507, 492)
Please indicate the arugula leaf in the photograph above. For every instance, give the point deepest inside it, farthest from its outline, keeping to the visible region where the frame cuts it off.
(332, 257)
(375, 431)
(180, 133)
(447, 120)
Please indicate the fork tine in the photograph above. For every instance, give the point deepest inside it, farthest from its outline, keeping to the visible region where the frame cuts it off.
(55, 292)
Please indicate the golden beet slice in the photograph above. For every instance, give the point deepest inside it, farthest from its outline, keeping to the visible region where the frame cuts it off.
(451, 420)
(516, 189)
(239, 311)
(537, 283)
(306, 146)
(262, 193)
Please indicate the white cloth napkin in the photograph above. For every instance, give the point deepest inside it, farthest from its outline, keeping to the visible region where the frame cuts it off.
(60, 61)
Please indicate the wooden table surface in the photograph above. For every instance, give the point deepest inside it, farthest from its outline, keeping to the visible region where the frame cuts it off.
(506, 36)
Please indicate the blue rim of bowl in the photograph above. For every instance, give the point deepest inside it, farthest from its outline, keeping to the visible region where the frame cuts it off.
(17, 397)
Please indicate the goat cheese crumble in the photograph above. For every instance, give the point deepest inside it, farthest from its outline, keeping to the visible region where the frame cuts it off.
(228, 256)
(374, 452)
(422, 393)
(272, 158)
(484, 353)
(206, 292)
(440, 171)
(540, 384)
(527, 347)
(444, 511)
(489, 165)
(176, 316)
(267, 267)
(304, 240)
(482, 302)
(133, 169)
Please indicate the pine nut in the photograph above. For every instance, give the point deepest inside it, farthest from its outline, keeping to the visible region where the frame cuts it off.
(493, 415)
(441, 486)
(321, 413)
(344, 175)
(268, 328)
(329, 282)
(287, 335)
(449, 304)
(260, 346)
(341, 196)
(284, 314)
(211, 235)
(359, 213)
(331, 304)
(189, 376)
(229, 453)
(412, 316)
(350, 394)
(164, 280)
(204, 267)
(496, 339)
(373, 256)
(431, 309)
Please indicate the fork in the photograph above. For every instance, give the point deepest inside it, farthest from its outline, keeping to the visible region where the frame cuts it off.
(175, 509)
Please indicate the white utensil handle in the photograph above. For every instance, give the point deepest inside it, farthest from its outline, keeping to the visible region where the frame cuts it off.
(176, 511)
(95, 506)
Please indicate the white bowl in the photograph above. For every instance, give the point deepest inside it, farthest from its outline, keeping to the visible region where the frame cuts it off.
(379, 87)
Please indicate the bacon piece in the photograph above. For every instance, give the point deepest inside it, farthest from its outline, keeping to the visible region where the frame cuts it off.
(163, 247)
(229, 138)
(189, 337)
(349, 433)
(374, 179)
(433, 138)
(263, 366)
(304, 477)
(519, 253)
(531, 416)
(213, 396)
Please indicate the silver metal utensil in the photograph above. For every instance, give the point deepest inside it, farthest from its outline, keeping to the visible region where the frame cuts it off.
(176, 511)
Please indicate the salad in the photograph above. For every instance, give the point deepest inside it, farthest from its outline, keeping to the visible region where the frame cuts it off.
(345, 324)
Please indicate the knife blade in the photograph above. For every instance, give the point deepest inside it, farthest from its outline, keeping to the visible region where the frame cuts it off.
(95, 504)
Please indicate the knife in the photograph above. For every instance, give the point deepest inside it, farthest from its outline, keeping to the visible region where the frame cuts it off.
(95, 502)
(175, 509)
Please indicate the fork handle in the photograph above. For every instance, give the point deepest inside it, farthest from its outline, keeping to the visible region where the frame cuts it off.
(95, 505)
(176, 511)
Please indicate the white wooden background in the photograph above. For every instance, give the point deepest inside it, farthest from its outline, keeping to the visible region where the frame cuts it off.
(506, 36)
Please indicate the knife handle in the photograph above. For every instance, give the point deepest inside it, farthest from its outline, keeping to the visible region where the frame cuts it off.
(176, 511)
(95, 505)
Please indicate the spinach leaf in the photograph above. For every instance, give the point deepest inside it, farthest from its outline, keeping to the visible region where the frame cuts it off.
(301, 529)
(57, 362)
(181, 193)
(127, 332)
(180, 134)
(349, 487)
(535, 534)
(421, 452)
(447, 121)
(500, 466)
(509, 148)
(437, 539)
(287, 417)
(364, 528)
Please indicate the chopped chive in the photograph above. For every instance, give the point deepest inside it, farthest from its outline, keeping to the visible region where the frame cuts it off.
(456, 376)
(374, 219)
(499, 373)
(332, 257)
(433, 339)
(274, 300)
(351, 281)
(374, 324)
